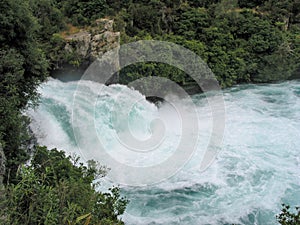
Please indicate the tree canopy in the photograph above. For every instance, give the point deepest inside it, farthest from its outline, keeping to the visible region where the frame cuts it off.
(58, 189)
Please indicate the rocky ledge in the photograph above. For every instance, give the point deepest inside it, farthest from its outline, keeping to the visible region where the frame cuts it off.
(88, 44)
(93, 42)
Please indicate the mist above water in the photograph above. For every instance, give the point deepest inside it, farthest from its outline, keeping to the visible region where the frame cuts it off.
(257, 169)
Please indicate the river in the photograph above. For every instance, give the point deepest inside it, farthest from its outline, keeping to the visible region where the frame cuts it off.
(256, 171)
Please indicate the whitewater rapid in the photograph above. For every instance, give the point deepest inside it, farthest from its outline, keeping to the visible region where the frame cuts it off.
(257, 169)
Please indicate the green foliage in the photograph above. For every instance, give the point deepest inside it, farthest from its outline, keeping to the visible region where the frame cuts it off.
(56, 189)
(50, 19)
(242, 41)
(251, 4)
(191, 23)
(245, 44)
(82, 12)
(23, 66)
(286, 217)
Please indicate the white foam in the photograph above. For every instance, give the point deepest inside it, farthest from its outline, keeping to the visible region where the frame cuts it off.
(258, 168)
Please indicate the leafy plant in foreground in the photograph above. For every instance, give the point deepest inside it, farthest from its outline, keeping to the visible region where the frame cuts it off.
(56, 189)
(286, 217)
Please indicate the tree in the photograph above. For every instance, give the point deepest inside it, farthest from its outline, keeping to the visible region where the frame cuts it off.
(58, 189)
(23, 67)
(191, 23)
(82, 12)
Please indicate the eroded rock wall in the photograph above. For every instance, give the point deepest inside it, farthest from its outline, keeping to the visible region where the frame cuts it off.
(92, 43)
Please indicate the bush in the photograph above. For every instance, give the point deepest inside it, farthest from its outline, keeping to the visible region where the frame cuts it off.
(56, 189)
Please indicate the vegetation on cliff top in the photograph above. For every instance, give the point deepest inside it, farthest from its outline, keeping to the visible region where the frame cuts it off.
(241, 41)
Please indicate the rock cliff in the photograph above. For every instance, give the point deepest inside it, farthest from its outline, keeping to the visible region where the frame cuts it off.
(92, 43)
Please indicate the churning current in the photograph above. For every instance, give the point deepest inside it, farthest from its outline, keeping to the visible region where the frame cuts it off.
(256, 171)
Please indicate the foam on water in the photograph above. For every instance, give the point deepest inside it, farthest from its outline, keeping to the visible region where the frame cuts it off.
(257, 170)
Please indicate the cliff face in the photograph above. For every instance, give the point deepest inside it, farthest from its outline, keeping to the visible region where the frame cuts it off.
(92, 43)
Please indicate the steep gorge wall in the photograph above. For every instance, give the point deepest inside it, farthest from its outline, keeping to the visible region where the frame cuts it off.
(92, 43)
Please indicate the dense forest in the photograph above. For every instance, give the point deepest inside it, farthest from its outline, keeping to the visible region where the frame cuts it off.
(242, 41)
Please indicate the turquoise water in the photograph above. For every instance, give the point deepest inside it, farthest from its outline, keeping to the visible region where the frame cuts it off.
(257, 169)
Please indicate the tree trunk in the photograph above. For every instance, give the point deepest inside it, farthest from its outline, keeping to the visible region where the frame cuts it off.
(2, 166)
